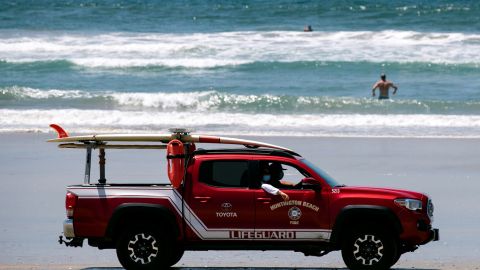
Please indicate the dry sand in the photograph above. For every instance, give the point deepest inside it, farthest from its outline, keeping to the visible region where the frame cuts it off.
(34, 176)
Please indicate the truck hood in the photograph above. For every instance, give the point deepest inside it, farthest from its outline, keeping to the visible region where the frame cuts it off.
(382, 192)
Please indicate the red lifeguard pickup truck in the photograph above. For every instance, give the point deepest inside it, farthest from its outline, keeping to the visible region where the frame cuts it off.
(219, 204)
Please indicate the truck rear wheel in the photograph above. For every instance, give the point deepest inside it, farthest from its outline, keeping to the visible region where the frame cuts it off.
(145, 248)
(369, 249)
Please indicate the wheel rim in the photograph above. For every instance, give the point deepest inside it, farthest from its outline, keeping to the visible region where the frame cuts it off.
(368, 249)
(142, 248)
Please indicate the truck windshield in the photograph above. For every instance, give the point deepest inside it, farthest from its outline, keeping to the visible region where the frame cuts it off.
(332, 182)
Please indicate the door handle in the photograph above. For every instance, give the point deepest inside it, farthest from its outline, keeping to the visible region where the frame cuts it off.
(202, 199)
(264, 200)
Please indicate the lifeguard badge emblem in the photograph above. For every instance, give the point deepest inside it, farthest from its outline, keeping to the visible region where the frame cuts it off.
(294, 214)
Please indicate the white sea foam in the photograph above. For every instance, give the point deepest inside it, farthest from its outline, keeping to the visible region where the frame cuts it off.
(204, 50)
(33, 93)
(240, 123)
(216, 101)
(196, 100)
(166, 101)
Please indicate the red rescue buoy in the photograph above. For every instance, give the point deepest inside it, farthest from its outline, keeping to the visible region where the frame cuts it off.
(176, 162)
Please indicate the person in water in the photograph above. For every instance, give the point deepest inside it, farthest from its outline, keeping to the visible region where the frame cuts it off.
(307, 28)
(384, 86)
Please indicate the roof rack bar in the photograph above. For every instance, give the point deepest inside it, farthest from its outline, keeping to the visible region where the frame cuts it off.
(101, 164)
(88, 164)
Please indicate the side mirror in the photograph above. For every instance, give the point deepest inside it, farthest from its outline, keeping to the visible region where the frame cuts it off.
(311, 183)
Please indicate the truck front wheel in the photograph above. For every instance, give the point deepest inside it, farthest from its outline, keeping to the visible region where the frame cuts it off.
(144, 248)
(369, 249)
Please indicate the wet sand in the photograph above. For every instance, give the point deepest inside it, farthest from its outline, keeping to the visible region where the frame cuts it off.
(35, 173)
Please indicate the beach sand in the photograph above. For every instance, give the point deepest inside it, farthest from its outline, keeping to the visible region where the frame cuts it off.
(35, 173)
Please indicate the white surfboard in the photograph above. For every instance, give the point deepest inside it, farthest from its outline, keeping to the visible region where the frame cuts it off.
(227, 140)
(63, 137)
(164, 138)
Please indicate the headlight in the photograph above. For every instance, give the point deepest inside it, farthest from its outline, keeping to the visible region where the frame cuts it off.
(410, 204)
(430, 208)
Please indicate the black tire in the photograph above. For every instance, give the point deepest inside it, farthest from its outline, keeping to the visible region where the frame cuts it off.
(145, 248)
(399, 254)
(369, 249)
(177, 254)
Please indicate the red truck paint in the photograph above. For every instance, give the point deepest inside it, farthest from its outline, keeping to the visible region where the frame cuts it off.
(200, 216)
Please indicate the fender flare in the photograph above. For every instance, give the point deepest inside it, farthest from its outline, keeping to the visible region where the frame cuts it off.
(355, 212)
(154, 213)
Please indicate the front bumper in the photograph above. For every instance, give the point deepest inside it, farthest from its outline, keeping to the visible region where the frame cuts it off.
(68, 228)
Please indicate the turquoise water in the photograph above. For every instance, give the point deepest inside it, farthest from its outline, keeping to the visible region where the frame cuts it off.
(241, 68)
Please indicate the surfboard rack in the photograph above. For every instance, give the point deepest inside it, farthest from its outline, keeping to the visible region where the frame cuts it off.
(151, 141)
(101, 146)
(88, 164)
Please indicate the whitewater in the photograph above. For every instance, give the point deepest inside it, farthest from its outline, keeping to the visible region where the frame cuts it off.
(241, 68)
(209, 50)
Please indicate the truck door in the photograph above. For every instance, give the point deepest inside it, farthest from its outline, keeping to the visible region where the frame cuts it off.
(304, 217)
(221, 201)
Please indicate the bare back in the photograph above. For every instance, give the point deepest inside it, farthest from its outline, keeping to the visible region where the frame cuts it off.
(384, 86)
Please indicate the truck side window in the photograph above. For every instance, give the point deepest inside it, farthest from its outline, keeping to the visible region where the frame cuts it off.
(283, 175)
(225, 173)
(293, 174)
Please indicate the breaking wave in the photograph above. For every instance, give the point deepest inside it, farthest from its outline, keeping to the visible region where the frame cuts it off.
(215, 101)
(208, 50)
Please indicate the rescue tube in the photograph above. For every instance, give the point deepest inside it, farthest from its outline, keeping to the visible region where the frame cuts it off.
(175, 162)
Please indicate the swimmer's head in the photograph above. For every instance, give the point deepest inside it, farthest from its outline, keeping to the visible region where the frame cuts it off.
(383, 76)
(307, 28)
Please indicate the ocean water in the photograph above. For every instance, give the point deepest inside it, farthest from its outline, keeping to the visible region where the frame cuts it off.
(241, 68)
